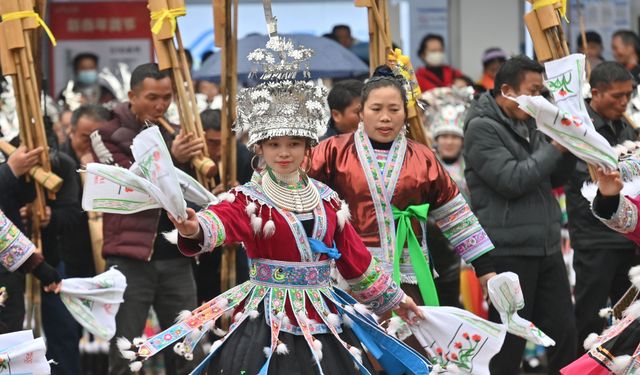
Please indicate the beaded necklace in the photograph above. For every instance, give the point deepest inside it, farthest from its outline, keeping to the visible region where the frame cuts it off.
(292, 192)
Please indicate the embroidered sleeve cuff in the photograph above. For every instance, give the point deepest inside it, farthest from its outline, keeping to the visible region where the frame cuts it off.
(461, 227)
(212, 231)
(376, 289)
(15, 247)
(605, 207)
(624, 219)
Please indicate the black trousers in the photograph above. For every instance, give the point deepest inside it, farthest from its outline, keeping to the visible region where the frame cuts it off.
(12, 314)
(547, 298)
(600, 275)
(448, 286)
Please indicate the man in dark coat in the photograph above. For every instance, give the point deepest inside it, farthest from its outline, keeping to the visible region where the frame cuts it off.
(157, 273)
(602, 257)
(75, 250)
(511, 170)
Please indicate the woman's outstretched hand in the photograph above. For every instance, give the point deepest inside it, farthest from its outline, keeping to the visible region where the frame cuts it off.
(405, 307)
(188, 228)
(609, 183)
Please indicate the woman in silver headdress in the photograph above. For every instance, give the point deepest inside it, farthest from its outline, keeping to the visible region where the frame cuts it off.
(289, 318)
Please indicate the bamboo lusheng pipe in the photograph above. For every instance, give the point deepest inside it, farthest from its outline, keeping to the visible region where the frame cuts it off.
(226, 39)
(204, 166)
(94, 221)
(189, 85)
(18, 61)
(48, 180)
(97, 240)
(167, 127)
(175, 59)
(380, 34)
(544, 25)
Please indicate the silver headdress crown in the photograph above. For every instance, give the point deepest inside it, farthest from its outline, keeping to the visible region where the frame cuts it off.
(282, 106)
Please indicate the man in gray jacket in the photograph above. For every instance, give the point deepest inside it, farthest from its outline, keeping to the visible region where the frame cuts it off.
(511, 170)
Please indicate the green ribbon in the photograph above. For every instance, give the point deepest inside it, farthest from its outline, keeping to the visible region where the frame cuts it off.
(405, 234)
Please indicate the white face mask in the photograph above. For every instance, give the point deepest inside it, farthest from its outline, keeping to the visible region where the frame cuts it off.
(509, 97)
(435, 58)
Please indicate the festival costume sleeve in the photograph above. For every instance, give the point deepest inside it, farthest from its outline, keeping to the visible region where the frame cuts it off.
(320, 162)
(462, 228)
(512, 178)
(369, 283)
(619, 213)
(222, 223)
(15, 247)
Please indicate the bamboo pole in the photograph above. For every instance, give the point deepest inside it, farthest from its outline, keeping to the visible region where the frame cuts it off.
(47, 179)
(225, 24)
(583, 36)
(170, 57)
(18, 39)
(380, 53)
(545, 27)
(94, 220)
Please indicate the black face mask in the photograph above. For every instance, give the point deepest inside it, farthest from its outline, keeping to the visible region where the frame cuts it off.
(451, 160)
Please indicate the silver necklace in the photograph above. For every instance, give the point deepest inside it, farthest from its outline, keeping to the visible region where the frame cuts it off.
(296, 199)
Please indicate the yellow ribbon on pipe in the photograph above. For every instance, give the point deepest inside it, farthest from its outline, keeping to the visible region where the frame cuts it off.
(404, 67)
(166, 15)
(30, 14)
(543, 3)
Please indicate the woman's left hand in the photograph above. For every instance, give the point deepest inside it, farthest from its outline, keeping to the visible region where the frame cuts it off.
(53, 288)
(405, 307)
(484, 280)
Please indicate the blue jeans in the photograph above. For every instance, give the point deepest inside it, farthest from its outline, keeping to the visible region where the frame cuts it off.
(62, 333)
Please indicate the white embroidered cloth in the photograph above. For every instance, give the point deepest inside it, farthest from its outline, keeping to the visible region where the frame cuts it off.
(20, 353)
(151, 182)
(568, 121)
(458, 341)
(94, 301)
(506, 296)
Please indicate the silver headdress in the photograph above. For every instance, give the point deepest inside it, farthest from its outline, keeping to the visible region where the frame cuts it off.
(281, 105)
(447, 108)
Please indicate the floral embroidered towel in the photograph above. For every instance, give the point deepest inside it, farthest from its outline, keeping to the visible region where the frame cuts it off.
(20, 353)
(567, 121)
(151, 182)
(94, 301)
(458, 341)
(506, 296)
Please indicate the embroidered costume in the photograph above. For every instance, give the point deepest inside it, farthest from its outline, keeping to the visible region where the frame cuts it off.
(15, 247)
(288, 318)
(390, 188)
(617, 349)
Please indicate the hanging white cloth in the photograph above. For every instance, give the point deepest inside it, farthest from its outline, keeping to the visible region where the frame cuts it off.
(94, 301)
(20, 353)
(459, 342)
(151, 182)
(567, 121)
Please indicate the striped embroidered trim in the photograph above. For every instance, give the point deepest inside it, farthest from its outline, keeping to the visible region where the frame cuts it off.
(212, 229)
(15, 247)
(625, 219)
(376, 289)
(462, 229)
